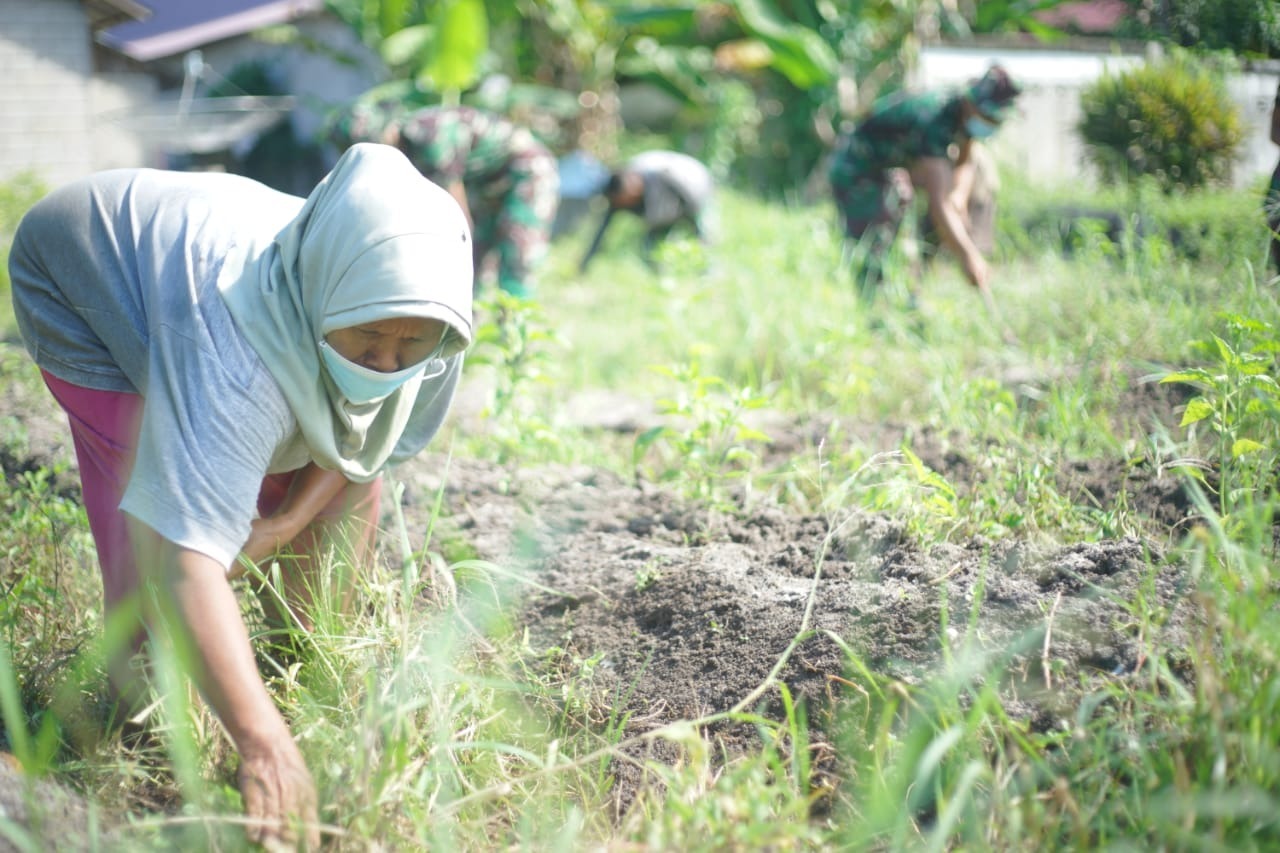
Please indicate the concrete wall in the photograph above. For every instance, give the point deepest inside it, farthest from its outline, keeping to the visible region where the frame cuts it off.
(53, 105)
(1041, 141)
(45, 63)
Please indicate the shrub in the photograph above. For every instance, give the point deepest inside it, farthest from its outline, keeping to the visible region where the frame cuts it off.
(1170, 120)
(1211, 226)
(1249, 27)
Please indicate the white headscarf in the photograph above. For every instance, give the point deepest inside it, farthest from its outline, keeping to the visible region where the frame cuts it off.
(375, 240)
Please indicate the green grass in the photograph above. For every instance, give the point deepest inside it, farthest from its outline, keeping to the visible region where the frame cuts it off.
(16, 196)
(429, 723)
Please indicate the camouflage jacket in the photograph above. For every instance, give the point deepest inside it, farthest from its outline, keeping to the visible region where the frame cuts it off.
(463, 143)
(899, 129)
(446, 144)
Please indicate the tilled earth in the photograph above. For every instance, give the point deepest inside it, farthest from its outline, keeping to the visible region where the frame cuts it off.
(684, 611)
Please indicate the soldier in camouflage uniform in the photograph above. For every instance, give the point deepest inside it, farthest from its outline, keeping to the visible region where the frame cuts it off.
(504, 178)
(924, 140)
(1273, 192)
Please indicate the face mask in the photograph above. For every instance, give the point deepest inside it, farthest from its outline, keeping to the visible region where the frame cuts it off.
(359, 384)
(978, 127)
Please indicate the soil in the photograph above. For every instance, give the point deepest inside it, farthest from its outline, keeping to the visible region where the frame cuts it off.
(679, 611)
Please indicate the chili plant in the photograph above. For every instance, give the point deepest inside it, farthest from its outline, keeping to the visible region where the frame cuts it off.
(516, 345)
(1239, 405)
(706, 441)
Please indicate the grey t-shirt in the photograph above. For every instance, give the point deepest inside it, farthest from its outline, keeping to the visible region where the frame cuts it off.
(675, 186)
(115, 288)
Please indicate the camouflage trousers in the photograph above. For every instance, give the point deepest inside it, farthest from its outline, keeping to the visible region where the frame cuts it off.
(872, 206)
(1271, 207)
(512, 213)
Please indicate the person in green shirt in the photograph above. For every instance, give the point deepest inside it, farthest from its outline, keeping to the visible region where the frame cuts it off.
(1273, 192)
(924, 140)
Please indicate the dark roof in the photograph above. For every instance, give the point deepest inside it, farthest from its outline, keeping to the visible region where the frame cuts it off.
(108, 13)
(176, 26)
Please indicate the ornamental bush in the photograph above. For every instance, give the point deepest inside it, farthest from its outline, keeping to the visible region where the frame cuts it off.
(1170, 120)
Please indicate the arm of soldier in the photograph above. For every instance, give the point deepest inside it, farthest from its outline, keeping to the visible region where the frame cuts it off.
(963, 176)
(934, 174)
(458, 190)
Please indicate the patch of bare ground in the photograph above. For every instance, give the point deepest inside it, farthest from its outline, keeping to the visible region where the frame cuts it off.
(684, 611)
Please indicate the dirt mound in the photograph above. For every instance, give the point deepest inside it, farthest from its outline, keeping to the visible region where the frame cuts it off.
(676, 612)
(44, 809)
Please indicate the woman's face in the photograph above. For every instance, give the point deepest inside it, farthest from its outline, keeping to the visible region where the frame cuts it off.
(388, 345)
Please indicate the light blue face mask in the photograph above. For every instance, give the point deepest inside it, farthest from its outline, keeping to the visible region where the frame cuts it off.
(978, 127)
(360, 384)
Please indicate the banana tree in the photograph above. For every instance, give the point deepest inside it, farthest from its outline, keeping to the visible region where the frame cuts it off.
(434, 50)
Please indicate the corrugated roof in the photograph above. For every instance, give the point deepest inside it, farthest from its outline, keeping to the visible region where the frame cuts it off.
(108, 13)
(177, 26)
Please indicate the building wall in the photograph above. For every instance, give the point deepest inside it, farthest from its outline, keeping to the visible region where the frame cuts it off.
(45, 63)
(55, 109)
(113, 97)
(61, 117)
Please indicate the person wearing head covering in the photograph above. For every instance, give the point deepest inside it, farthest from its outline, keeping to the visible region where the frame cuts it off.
(923, 139)
(238, 366)
(504, 178)
(665, 189)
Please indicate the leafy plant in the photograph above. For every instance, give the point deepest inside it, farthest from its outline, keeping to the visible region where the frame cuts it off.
(438, 47)
(707, 440)
(1171, 120)
(1250, 27)
(516, 345)
(1239, 404)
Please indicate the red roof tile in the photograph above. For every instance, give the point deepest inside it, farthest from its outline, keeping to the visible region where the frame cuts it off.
(1096, 16)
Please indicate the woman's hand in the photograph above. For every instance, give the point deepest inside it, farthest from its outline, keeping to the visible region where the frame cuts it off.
(313, 487)
(276, 787)
(266, 537)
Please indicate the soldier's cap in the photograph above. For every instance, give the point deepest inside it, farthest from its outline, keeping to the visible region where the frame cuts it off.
(994, 93)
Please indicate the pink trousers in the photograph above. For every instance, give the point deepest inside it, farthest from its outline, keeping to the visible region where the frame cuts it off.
(104, 428)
